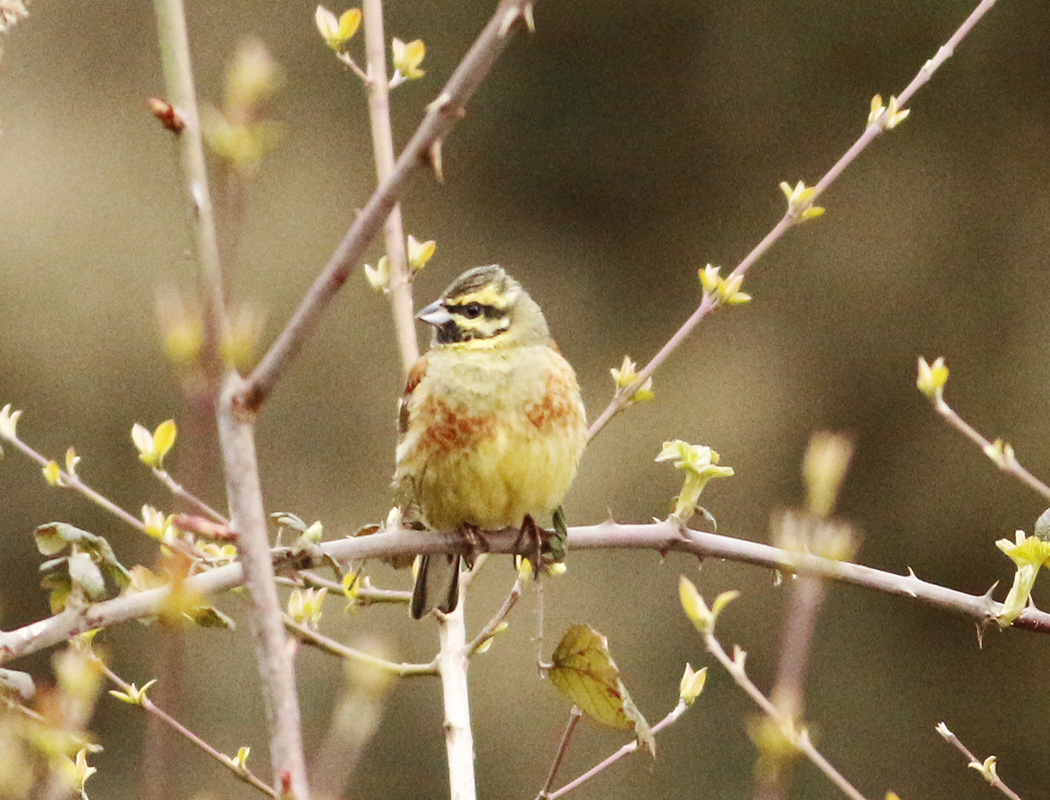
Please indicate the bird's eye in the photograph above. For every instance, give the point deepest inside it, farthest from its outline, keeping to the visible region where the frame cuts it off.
(472, 310)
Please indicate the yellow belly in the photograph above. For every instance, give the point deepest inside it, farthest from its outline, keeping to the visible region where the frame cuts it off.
(494, 485)
(490, 438)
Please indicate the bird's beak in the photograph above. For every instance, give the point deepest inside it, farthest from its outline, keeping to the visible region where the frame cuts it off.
(435, 314)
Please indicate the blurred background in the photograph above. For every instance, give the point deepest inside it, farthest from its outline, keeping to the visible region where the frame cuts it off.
(606, 159)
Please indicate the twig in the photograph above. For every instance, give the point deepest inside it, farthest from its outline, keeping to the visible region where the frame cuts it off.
(178, 78)
(806, 596)
(1004, 458)
(489, 629)
(799, 738)
(180, 491)
(149, 706)
(453, 661)
(986, 767)
(563, 745)
(383, 145)
(73, 481)
(442, 114)
(329, 645)
(366, 594)
(708, 304)
(660, 537)
(626, 750)
(248, 519)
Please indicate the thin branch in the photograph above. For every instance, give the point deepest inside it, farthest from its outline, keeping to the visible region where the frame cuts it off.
(799, 738)
(442, 114)
(248, 518)
(708, 304)
(986, 767)
(805, 597)
(178, 79)
(364, 595)
(1002, 455)
(183, 494)
(73, 481)
(383, 145)
(626, 750)
(490, 627)
(563, 745)
(660, 537)
(152, 708)
(329, 645)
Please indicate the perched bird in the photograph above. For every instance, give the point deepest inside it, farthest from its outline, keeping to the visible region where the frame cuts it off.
(491, 423)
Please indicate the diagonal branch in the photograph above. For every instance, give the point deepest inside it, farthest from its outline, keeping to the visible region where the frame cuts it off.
(422, 149)
(874, 128)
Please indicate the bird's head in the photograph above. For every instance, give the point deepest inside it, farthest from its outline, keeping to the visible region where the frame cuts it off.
(485, 308)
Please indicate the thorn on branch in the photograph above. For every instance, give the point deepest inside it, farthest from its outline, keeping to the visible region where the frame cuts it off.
(512, 15)
(434, 155)
(526, 14)
(440, 103)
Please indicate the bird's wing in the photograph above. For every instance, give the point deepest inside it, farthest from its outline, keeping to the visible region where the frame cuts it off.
(415, 376)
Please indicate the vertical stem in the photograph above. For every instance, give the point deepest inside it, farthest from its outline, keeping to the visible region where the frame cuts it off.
(453, 660)
(178, 80)
(806, 596)
(383, 147)
(454, 656)
(248, 518)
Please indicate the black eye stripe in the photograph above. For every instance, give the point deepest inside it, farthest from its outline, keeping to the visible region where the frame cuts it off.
(489, 312)
(450, 332)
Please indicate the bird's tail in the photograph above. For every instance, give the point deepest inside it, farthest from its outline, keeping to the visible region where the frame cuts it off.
(420, 605)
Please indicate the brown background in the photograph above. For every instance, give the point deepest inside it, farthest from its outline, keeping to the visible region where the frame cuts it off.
(609, 156)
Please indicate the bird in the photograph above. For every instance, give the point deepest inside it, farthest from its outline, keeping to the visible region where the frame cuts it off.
(491, 424)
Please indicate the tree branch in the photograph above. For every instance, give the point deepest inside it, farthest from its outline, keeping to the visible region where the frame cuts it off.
(178, 80)
(248, 519)
(661, 537)
(130, 691)
(383, 146)
(442, 114)
(790, 218)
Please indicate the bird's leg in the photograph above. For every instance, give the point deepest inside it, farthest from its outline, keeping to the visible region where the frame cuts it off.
(475, 543)
(530, 543)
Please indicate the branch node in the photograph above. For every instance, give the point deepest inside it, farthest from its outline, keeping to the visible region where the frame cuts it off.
(440, 103)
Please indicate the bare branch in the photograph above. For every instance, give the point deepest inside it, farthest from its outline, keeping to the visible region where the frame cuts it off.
(708, 304)
(329, 645)
(490, 628)
(178, 78)
(797, 737)
(661, 537)
(987, 768)
(383, 146)
(605, 763)
(248, 518)
(131, 692)
(442, 114)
